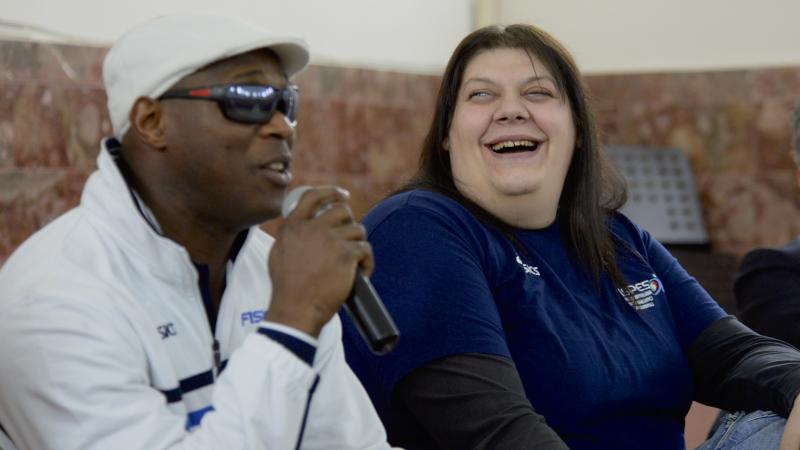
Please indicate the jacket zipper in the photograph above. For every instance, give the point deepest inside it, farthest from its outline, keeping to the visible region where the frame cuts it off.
(215, 349)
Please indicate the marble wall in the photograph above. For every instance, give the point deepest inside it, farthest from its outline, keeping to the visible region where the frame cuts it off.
(734, 127)
(362, 129)
(52, 115)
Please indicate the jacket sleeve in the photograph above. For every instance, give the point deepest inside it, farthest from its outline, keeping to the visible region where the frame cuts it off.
(475, 401)
(735, 369)
(75, 376)
(341, 414)
(767, 290)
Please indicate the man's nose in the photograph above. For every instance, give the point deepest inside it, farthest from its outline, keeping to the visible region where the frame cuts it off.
(278, 126)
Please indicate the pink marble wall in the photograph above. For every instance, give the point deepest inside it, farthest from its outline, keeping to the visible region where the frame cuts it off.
(734, 126)
(52, 115)
(362, 129)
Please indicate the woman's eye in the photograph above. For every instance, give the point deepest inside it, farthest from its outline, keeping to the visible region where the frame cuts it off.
(539, 93)
(479, 94)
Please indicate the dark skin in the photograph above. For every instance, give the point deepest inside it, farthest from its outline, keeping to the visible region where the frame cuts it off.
(207, 179)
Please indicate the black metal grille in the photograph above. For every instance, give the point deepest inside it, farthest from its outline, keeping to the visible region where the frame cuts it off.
(662, 197)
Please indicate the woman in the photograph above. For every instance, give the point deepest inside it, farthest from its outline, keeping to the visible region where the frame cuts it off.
(533, 314)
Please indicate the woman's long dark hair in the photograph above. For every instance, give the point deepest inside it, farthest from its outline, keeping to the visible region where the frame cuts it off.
(593, 189)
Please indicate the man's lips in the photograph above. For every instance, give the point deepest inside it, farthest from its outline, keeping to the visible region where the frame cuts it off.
(278, 166)
(277, 170)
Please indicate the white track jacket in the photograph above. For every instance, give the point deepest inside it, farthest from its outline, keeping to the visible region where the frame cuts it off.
(105, 344)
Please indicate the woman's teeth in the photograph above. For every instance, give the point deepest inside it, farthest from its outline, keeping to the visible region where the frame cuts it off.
(514, 146)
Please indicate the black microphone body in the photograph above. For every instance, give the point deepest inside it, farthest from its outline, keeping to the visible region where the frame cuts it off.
(370, 316)
(363, 305)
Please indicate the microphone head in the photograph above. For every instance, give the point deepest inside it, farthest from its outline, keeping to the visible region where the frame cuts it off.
(291, 199)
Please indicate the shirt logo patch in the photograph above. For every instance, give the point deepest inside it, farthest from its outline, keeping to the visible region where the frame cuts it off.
(641, 295)
(529, 270)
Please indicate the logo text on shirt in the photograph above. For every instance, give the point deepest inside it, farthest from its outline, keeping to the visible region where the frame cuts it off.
(251, 317)
(167, 330)
(641, 295)
(529, 270)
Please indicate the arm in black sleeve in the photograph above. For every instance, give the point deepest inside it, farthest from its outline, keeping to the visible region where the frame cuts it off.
(735, 368)
(767, 290)
(475, 401)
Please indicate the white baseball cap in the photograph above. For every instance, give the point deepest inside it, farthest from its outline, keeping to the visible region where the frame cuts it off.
(150, 58)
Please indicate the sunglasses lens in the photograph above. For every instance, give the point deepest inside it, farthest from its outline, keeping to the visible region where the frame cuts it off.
(257, 104)
(249, 110)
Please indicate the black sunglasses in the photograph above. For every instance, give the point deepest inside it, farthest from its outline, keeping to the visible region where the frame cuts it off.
(246, 103)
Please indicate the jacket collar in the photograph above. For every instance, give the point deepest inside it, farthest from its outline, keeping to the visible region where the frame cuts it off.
(116, 208)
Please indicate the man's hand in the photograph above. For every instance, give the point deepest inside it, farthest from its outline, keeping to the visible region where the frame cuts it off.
(313, 262)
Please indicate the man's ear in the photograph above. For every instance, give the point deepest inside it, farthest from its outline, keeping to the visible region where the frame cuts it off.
(147, 121)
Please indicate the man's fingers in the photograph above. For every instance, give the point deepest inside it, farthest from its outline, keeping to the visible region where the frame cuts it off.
(352, 231)
(314, 199)
(366, 262)
(334, 214)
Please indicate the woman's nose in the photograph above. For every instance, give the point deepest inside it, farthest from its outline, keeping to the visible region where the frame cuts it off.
(511, 109)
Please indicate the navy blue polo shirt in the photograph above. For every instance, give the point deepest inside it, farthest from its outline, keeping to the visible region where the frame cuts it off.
(607, 368)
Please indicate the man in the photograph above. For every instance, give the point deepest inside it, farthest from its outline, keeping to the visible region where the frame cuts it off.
(146, 318)
(767, 285)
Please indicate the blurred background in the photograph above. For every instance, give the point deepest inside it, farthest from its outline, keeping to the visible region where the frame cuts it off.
(710, 82)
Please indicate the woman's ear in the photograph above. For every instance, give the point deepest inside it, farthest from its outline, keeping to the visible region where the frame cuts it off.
(147, 121)
(446, 144)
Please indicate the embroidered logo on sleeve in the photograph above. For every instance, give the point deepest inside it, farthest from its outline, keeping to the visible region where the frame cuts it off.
(529, 270)
(641, 295)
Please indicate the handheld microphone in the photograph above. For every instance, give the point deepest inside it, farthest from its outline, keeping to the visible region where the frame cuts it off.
(363, 304)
